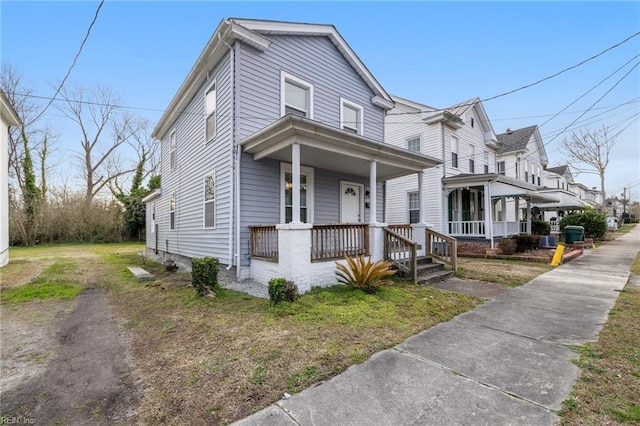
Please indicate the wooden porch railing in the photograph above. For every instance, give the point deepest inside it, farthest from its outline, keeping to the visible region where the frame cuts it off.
(442, 247)
(339, 240)
(264, 242)
(402, 252)
(404, 230)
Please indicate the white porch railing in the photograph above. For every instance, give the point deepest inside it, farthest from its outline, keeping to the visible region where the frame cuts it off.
(555, 227)
(504, 229)
(523, 227)
(471, 228)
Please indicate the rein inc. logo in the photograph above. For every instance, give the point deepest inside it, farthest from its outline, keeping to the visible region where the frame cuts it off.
(17, 420)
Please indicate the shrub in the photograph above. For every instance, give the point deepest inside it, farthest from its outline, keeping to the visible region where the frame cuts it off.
(595, 224)
(363, 274)
(282, 290)
(523, 243)
(507, 246)
(540, 227)
(204, 275)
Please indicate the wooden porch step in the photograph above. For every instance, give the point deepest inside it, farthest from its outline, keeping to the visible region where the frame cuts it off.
(434, 277)
(422, 260)
(427, 268)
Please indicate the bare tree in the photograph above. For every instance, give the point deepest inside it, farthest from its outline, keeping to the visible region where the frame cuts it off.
(108, 132)
(588, 152)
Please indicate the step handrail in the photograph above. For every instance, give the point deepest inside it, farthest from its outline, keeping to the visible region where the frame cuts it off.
(442, 247)
(396, 247)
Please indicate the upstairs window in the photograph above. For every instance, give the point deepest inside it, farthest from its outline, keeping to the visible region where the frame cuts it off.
(351, 117)
(210, 109)
(486, 162)
(172, 149)
(413, 201)
(454, 152)
(472, 159)
(413, 144)
(209, 201)
(526, 171)
(172, 211)
(296, 96)
(500, 168)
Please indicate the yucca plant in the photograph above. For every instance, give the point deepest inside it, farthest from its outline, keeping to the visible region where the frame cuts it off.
(363, 274)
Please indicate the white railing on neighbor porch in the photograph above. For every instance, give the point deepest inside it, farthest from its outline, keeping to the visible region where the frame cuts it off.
(555, 227)
(503, 229)
(523, 227)
(470, 228)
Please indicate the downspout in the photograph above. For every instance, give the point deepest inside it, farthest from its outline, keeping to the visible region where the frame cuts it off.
(233, 157)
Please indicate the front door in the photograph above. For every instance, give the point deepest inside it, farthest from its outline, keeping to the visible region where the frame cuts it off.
(350, 202)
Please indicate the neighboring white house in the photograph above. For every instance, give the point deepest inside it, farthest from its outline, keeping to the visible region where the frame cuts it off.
(8, 117)
(273, 157)
(469, 194)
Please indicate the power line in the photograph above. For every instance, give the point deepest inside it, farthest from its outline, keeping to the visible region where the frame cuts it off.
(73, 64)
(635, 100)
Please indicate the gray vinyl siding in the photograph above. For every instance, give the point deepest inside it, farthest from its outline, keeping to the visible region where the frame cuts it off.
(194, 160)
(313, 59)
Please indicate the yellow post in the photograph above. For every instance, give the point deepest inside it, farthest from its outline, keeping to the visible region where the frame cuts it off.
(557, 256)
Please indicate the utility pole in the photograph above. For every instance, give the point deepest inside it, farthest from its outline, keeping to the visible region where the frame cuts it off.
(624, 200)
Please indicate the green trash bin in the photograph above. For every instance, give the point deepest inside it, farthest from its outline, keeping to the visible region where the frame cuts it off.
(573, 233)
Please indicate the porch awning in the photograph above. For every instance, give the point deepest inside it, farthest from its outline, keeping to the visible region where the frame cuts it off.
(500, 186)
(567, 201)
(330, 148)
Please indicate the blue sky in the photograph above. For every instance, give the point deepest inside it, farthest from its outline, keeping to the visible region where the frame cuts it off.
(437, 53)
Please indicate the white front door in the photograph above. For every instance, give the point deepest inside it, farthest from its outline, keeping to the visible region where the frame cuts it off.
(351, 202)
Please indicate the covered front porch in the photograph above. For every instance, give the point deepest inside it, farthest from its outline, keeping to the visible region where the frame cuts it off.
(330, 198)
(567, 203)
(489, 205)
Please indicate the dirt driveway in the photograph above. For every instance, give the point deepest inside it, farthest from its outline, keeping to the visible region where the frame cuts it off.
(65, 362)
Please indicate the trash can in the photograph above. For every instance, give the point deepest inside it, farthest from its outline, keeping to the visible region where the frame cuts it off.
(573, 234)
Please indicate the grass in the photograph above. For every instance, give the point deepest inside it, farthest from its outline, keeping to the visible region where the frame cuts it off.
(511, 273)
(608, 391)
(234, 354)
(50, 284)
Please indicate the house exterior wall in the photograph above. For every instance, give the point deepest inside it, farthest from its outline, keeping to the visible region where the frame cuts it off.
(194, 160)
(4, 193)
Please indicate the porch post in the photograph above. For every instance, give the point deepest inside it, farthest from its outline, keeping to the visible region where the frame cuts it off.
(504, 217)
(488, 214)
(517, 207)
(373, 186)
(529, 216)
(421, 220)
(295, 180)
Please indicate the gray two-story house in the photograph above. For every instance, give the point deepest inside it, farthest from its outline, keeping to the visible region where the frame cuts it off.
(273, 155)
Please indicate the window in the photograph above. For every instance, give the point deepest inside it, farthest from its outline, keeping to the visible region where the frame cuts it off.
(413, 144)
(526, 171)
(172, 143)
(296, 96)
(209, 201)
(172, 211)
(454, 152)
(286, 194)
(501, 168)
(472, 159)
(486, 162)
(350, 117)
(210, 109)
(414, 207)
(539, 181)
(472, 121)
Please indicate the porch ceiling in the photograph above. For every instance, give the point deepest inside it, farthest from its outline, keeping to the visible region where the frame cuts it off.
(500, 186)
(330, 148)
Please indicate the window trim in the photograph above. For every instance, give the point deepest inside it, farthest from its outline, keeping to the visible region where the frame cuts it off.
(360, 110)
(205, 202)
(454, 154)
(501, 170)
(409, 209)
(309, 173)
(211, 87)
(284, 77)
(173, 144)
(411, 138)
(472, 159)
(172, 211)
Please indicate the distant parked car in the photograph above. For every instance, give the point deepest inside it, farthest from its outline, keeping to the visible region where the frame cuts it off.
(612, 223)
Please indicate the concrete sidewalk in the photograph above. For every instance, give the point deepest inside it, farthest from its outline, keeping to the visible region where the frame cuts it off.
(506, 362)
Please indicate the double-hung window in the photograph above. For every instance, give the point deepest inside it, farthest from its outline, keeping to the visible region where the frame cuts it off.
(486, 162)
(500, 166)
(210, 107)
(172, 149)
(172, 211)
(209, 201)
(413, 201)
(454, 152)
(296, 96)
(472, 159)
(413, 144)
(351, 116)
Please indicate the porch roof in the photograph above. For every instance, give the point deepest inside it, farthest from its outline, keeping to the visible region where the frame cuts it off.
(500, 186)
(567, 200)
(330, 148)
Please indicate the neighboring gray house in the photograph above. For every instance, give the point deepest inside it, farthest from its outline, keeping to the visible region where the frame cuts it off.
(273, 157)
(8, 117)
